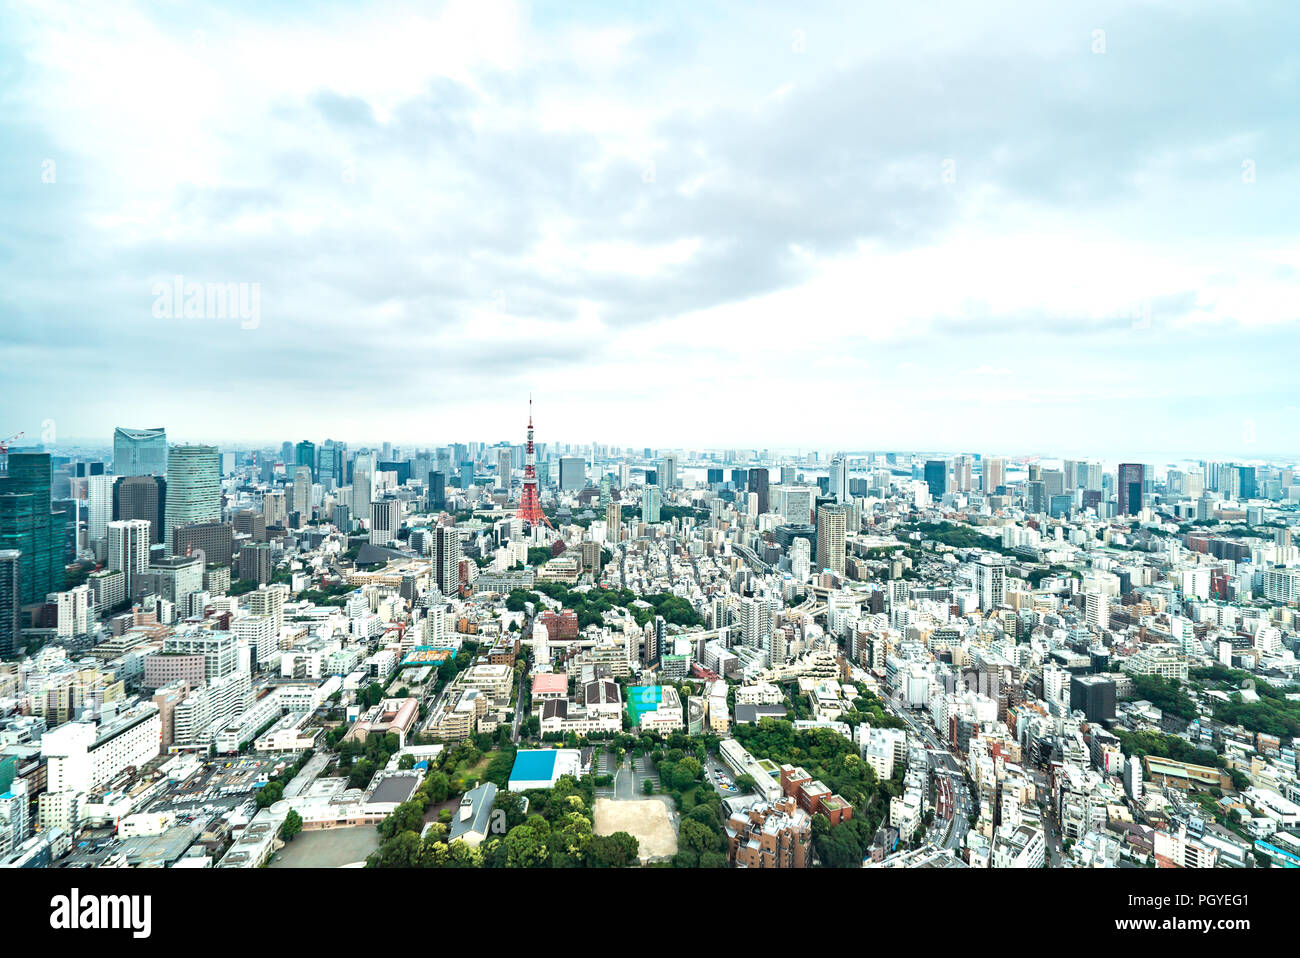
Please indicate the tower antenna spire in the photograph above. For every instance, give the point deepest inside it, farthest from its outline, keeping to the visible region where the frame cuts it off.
(530, 503)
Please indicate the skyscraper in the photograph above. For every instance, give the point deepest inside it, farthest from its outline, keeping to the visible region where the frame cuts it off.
(936, 477)
(11, 604)
(140, 452)
(961, 468)
(28, 524)
(193, 487)
(437, 492)
(1246, 486)
(99, 506)
(504, 469)
(991, 583)
(994, 475)
(1131, 477)
(128, 548)
(331, 463)
(839, 479)
(1036, 497)
(668, 471)
(832, 527)
(363, 473)
(758, 479)
(573, 473)
(302, 494)
(446, 562)
(385, 520)
(305, 455)
(141, 497)
(651, 501)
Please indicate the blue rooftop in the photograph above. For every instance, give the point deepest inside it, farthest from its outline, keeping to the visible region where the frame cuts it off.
(533, 765)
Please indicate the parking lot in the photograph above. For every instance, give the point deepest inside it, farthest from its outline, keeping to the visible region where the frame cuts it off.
(629, 780)
(720, 777)
(221, 784)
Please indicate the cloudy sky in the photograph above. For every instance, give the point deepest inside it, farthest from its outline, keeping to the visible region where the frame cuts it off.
(1002, 227)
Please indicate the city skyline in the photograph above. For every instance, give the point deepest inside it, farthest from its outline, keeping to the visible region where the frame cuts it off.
(632, 450)
(893, 237)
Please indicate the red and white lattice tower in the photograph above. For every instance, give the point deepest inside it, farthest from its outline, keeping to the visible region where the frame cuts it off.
(530, 504)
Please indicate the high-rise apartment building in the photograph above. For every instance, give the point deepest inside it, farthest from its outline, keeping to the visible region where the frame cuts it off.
(832, 529)
(99, 506)
(128, 548)
(991, 584)
(651, 503)
(447, 555)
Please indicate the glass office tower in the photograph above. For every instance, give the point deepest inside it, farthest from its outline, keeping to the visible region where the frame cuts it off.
(140, 452)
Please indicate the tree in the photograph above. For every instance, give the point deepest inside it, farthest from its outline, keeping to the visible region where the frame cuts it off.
(699, 838)
(406, 817)
(512, 804)
(292, 825)
(526, 845)
(401, 851)
(437, 787)
(612, 851)
(361, 775)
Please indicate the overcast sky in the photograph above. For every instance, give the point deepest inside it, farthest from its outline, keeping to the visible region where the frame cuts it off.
(997, 227)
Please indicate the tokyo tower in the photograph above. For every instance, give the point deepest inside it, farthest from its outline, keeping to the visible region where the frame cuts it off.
(530, 504)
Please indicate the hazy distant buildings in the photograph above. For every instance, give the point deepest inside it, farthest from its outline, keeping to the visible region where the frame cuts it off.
(994, 475)
(758, 480)
(668, 471)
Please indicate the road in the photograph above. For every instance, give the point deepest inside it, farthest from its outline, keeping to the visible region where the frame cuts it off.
(519, 697)
(945, 832)
(1042, 789)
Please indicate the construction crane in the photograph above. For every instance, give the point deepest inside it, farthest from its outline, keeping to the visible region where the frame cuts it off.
(6, 443)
